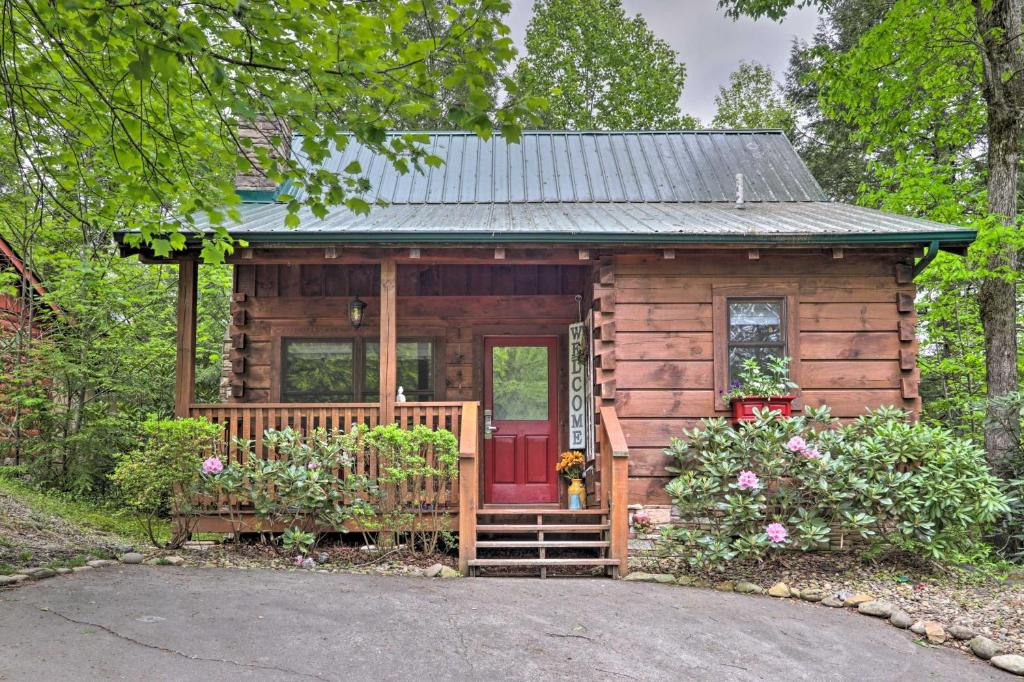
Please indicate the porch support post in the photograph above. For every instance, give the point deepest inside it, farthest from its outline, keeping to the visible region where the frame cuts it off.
(388, 340)
(469, 483)
(185, 367)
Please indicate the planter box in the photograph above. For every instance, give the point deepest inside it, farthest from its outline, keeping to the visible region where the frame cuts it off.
(743, 408)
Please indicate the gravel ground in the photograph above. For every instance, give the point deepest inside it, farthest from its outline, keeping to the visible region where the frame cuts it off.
(989, 605)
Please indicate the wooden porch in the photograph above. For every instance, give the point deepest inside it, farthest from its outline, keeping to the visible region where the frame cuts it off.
(247, 418)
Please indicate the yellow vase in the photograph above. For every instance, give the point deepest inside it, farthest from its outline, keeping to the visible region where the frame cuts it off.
(577, 494)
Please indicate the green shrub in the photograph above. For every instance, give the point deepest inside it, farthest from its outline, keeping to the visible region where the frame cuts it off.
(415, 467)
(303, 487)
(161, 473)
(789, 483)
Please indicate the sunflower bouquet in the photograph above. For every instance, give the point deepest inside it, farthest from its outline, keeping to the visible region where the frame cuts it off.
(570, 465)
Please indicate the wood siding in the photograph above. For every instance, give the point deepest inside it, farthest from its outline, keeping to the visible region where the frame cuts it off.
(456, 305)
(657, 345)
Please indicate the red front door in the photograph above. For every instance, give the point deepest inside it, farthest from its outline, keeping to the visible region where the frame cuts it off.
(520, 402)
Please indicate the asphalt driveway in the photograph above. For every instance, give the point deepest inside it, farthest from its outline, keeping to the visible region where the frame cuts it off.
(163, 623)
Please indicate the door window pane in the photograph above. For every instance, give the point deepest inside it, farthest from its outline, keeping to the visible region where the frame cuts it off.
(415, 370)
(317, 371)
(519, 384)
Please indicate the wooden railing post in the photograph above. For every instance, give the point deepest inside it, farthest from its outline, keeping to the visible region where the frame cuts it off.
(185, 365)
(615, 452)
(388, 340)
(468, 483)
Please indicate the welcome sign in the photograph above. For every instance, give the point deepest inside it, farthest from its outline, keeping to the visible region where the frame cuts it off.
(578, 387)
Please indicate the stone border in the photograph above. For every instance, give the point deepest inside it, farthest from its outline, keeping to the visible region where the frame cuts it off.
(932, 632)
(27, 575)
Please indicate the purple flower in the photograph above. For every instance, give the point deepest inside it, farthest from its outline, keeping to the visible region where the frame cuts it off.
(748, 480)
(213, 465)
(313, 465)
(298, 560)
(776, 532)
(796, 444)
(812, 453)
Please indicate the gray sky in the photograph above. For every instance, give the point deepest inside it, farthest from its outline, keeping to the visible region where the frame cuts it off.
(710, 44)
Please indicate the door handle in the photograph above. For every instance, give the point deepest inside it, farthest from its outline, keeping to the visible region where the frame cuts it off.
(489, 428)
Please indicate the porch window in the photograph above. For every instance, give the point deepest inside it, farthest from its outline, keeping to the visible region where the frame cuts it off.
(348, 370)
(757, 331)
(318, 371)
(415, 370)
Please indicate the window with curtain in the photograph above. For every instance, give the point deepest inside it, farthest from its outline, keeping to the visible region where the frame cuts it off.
(757, 329)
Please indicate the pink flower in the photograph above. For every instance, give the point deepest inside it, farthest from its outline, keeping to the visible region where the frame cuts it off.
(213, 466)
(298, 560)
(776, 532)
(811, 453)
(748, 480)
(313, 465)
(796, 444)
(641, 517)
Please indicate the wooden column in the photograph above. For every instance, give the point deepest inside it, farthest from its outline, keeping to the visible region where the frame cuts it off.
(615, 485)
(388, 340)
(469, 483)
(185, 367)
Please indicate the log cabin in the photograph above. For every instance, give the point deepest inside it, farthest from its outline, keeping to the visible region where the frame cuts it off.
(575, 290)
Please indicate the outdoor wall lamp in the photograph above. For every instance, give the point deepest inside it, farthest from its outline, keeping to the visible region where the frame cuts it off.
(355, 312)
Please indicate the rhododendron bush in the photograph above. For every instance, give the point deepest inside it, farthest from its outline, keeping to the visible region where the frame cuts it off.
(805, 482)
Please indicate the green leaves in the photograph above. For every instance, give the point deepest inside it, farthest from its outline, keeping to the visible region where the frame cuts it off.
(599, 69)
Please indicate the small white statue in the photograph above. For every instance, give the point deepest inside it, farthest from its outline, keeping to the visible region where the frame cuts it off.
(400, 398)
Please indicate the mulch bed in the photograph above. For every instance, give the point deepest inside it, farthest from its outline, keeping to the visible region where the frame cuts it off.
(990, 605)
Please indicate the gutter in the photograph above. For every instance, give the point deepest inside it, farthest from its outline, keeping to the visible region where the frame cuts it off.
(926, 260)
(935, 240)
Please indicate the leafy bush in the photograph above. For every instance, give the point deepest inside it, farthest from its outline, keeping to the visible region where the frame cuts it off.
(302, 486)
(791, 483)
(415, 468)
(755, 380)
(1008, 537)
(161, 473)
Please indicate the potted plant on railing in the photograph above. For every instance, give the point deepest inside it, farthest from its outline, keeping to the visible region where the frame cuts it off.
(760, 387)
(570, 466)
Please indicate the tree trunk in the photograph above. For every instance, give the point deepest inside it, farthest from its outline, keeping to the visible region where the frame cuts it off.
(999, 27)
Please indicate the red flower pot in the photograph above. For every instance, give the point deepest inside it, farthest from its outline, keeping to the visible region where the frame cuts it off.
(743, 408)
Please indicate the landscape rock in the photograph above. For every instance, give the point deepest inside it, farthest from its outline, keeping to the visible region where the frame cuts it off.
(81, 569)
(63, 570)
(1011, 663)
(749, 588)
(433, 571)
(961, 632)
(687, 580)
(6, 580)
(727, 586)
(779, 590)
(641, 577)
(878, 609)
(901, 619)
(812, 595)
(39, 573)
(934, 632)
(132, 558)
(984, 648)
(857, 599)
(449, 572)
(174, 560)
(99, 563)
(832, 602)
(918, 627)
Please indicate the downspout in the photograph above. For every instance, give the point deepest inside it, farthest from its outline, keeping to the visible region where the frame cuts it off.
(926, 260)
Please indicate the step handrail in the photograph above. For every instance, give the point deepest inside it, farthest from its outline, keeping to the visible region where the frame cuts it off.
(615, 485)
(469, 482)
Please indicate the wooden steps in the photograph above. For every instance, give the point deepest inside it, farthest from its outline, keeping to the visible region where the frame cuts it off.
(569, 541)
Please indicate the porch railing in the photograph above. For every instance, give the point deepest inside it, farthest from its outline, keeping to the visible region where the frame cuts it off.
(613, 489)
(248, 422)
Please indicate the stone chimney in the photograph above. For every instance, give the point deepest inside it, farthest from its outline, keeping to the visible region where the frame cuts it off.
(262, 132)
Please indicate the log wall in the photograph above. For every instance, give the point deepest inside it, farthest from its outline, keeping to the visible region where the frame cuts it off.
(854, 326)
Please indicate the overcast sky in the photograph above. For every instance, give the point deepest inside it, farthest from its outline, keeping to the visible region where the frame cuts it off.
(710, 44)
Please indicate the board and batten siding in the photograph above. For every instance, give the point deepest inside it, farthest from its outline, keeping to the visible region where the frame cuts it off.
(658, 330)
